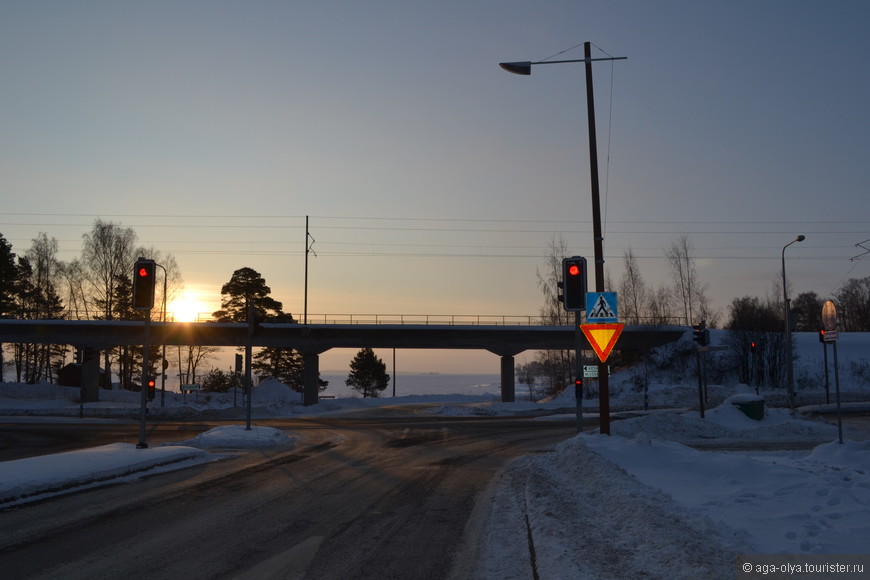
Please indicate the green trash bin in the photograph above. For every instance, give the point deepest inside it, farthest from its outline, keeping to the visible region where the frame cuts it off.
(752, 406)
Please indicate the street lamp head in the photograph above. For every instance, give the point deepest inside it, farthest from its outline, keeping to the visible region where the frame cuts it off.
(801, 238)
(517, 68)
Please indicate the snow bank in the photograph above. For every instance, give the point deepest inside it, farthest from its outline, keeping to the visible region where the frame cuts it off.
(238, 437)
(723, 424)
(574, 514)
(34, 478)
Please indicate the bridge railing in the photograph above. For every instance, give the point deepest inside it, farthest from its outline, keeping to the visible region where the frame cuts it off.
(415, 319)
(428, 319)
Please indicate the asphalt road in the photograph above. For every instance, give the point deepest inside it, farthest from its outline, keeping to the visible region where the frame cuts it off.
(391, 496)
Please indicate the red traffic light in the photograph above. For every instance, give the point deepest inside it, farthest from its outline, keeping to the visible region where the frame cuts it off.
(578, 383)
(574, 283)
(143, 284)
(151, 383)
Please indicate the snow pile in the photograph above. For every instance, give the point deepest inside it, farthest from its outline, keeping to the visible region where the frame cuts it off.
(40, 477)
(784, 502)
(641, 505)
(577, 515)
(723, 424)
(34, 478)
(238, 437)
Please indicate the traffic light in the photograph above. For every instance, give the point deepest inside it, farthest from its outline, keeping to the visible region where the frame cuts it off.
(752, 346)
(701, 334)
(152, 384)
(822, 336)
(144, 271)
(574, 283)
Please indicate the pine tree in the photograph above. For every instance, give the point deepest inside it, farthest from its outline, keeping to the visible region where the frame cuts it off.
(368, 374)
(280, 363)
(8, 277)
(247, 286)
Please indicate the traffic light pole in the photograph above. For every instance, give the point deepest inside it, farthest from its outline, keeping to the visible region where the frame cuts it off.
(143, 388)
(578, 380)
(248, 371)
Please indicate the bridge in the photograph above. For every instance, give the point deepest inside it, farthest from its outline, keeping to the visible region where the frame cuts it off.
(312, 340)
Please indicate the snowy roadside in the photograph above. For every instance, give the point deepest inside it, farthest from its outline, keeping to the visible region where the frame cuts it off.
(578, 515)
(41, 477)
(640, 504)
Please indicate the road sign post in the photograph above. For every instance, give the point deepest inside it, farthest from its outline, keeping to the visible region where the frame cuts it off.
(829, 319)
(602, 331)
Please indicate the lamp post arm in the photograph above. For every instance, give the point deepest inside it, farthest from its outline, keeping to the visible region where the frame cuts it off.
(580, 60)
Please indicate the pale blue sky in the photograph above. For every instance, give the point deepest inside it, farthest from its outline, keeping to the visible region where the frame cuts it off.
(435, 180)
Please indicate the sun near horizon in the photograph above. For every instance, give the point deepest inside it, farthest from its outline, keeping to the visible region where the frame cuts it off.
(188, 308)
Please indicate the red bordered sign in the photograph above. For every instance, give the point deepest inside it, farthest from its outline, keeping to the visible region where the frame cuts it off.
(602, 337)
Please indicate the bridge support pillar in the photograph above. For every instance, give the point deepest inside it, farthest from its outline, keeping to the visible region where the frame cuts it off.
(508, 385)
(310, 378)
(90, 375)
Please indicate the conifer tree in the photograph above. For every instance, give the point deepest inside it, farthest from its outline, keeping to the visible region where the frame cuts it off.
(368, 374)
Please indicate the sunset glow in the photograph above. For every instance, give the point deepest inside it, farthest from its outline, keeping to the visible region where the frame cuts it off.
(187, 309)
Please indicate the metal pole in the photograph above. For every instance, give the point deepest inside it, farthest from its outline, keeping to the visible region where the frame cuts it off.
(837, 387)
(248, 351)
(305, 311)
(827, 376)
(700, 384)
(578, 382)
(162, 369)
(789, 366)
(603, 379)
(143, 388)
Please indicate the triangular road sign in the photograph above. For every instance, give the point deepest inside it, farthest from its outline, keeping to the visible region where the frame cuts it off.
(602, 337)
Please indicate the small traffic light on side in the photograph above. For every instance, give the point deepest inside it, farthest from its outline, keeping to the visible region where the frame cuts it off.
(574, 283)
(144, 273)
(822, 336)
(701, 334)
(753, 346)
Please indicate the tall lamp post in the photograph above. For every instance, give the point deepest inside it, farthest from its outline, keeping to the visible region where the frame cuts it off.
(789, 363)
(525, 68)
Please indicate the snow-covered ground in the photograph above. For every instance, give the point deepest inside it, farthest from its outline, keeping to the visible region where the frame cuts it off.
(668, 495)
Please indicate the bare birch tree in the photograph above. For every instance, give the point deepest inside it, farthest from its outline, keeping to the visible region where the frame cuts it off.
(633, 292)
(688, 290)
(107, 253)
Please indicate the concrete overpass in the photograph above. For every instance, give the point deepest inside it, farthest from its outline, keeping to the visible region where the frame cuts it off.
(314, 339)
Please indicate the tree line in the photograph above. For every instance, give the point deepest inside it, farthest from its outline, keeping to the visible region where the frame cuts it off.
(98, 286)
(95, 286)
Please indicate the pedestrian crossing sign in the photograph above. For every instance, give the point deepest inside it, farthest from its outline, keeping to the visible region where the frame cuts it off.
(601, 307)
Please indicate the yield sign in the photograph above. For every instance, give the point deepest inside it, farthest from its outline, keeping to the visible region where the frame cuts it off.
(602, 337)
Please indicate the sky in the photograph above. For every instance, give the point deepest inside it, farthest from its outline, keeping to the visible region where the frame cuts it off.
(433, 181)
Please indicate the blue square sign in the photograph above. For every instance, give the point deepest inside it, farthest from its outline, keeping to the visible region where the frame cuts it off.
(601, 307)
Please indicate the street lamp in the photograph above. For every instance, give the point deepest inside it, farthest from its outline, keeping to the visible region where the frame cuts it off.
(789, 363)
(525, 68)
